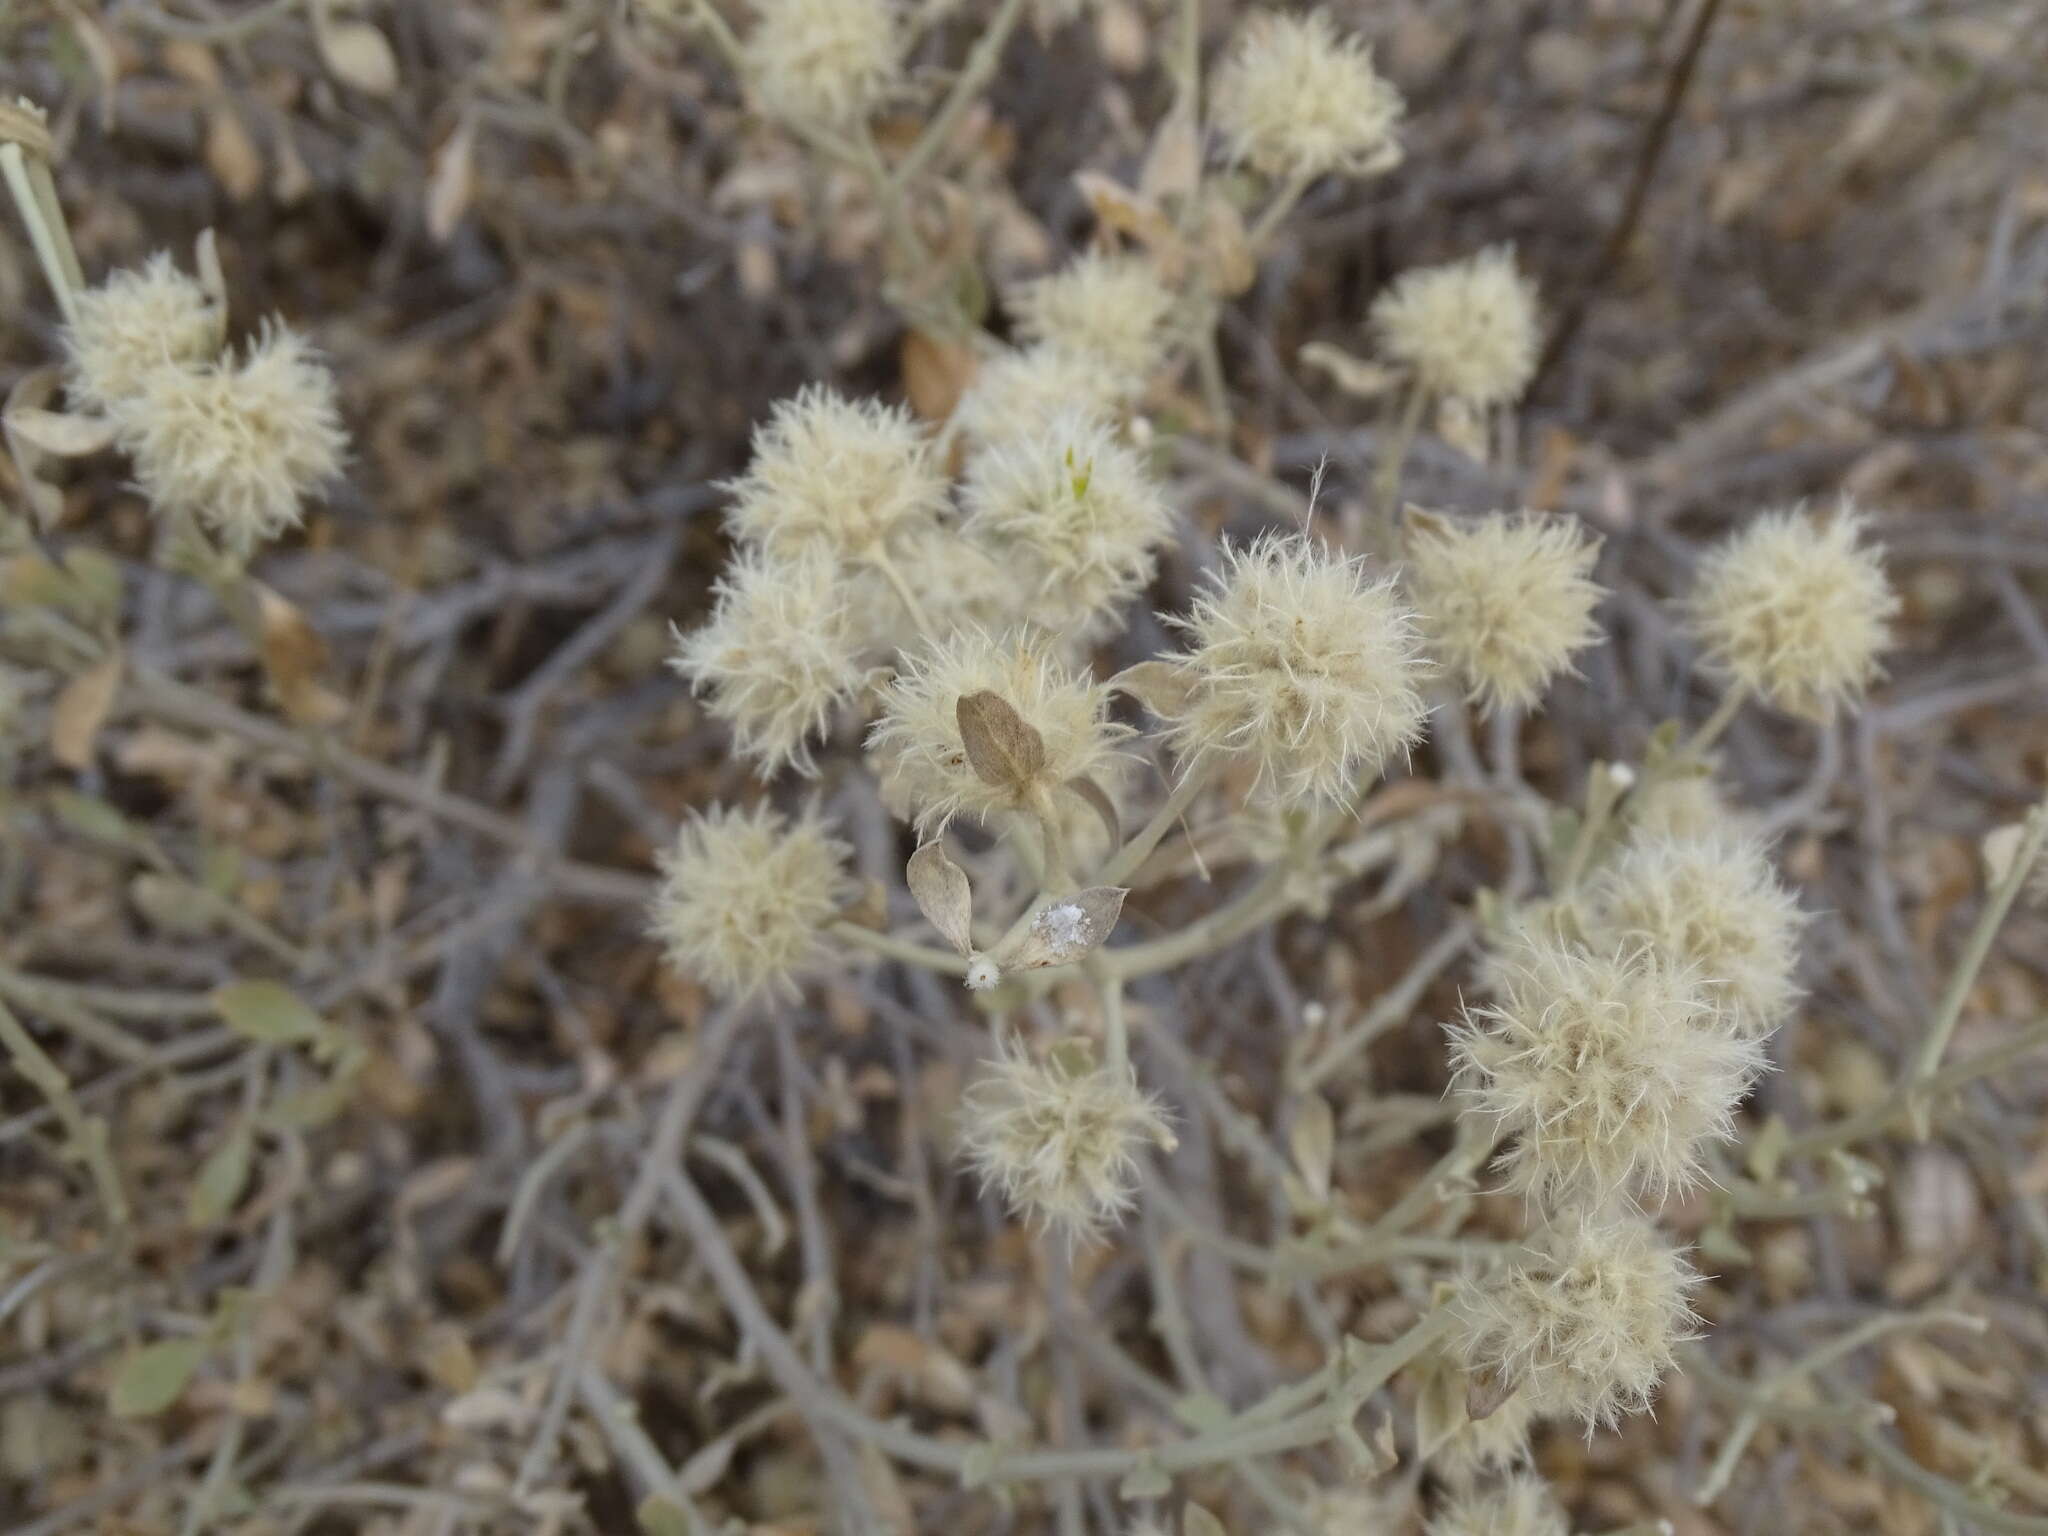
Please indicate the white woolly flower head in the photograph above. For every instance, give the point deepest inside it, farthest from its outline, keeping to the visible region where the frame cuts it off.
(1712, 904)
(779, 653)
(918, 745)
(1073, 510)
(239, 445)
(1295, 100)
(1522, 1505)
(1683, 805)
(1609, 1068)
(1060, 1137)
(1504, 599)
(1112, 308)
(958, 582)
(1467, 331)
(135, 322)
(1016, 392)
(1796, 610)
(1458, 1449)
(1583, 1322)
(1301, 667)
(745, 897)
(844, 475)
(824, 64)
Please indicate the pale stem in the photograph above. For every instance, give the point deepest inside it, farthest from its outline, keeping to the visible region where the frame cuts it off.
(1264, 898)
(1602, 795)
(1950, 1008)
(87, 1133)
(1115, 1032)
(1711, 728)
(879, 559)
(1282, 204)
(980, 65)
(50, 247)
(890, 947)
(722, 34)
(1387, 477)
(1139, 848)
(1059, 863)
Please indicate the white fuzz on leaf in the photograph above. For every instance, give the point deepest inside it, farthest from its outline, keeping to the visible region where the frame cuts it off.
(1300, 667)
(1584, 1322)
(1467, 331)
(1060, 1138)
(1795, 610)
(1504, 600)
(745, 897)
(1295, 100)
(778, 655)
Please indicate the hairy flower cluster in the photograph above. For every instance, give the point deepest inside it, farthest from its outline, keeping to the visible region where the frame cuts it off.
(1584, 1323)
(1522, 1505)
(1072, 510)
(1302, 668)
(1796, 610)
(917, 747)
(1295, 100)
(745, 897)
(824, 64)
(1608, 1067)
(850, 476)
(1060, 1138)
(133, 324)
(239, 445)
(1713, 905)
(1504, 600)
(1110, 308)
(1017, 392)
(778, 655)
(1466, 331)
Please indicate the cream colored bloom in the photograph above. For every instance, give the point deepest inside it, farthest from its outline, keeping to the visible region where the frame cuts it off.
(1111, 308)
(239, 445)
(1584, 1322)
(134, 323)
(1796, 610)
(1609, 1069)
(848, 476)
(1017, 392)
(779, 654)
(745, 898)
(1060, 1137)
(1504, 600)
(1466, 331)
(917, 748)
(824, 64)
(1072, 515)
(1522, 1505)
(1294, 100)
(1301, 668)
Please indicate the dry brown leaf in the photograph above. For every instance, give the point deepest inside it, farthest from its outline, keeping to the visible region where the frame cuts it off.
(357, 54)
(232, 156)
(940, 889)
(936, 373)
(293, 657)
(1003, 748)
(81, 710)
(1067, 928)
(453, 179)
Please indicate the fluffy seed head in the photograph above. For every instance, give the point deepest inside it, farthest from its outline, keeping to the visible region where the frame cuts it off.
(1295, 100)
(1467, 330)
(1796, 610)
(1457, 1448)
(1583, 1323)
(133, 323)
(238, 445)
(824, 64)
(921, 759)
(1608, 1067)
(1301, 667)
(1073, 510)
(1712, 905)
(844, 475)
(1504, 600)
(778, 655)
(1060, 1138)
(959, 583)
(1111, 308)
(1523, 1505)
(1683, 805)
(745, 896)
(1017, 392)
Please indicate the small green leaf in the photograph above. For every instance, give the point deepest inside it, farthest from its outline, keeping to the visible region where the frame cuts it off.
(152, 1379)
(267, 1013)
(659, 1517)
(1145, 1481)
(93, 818)
(222, 1178)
